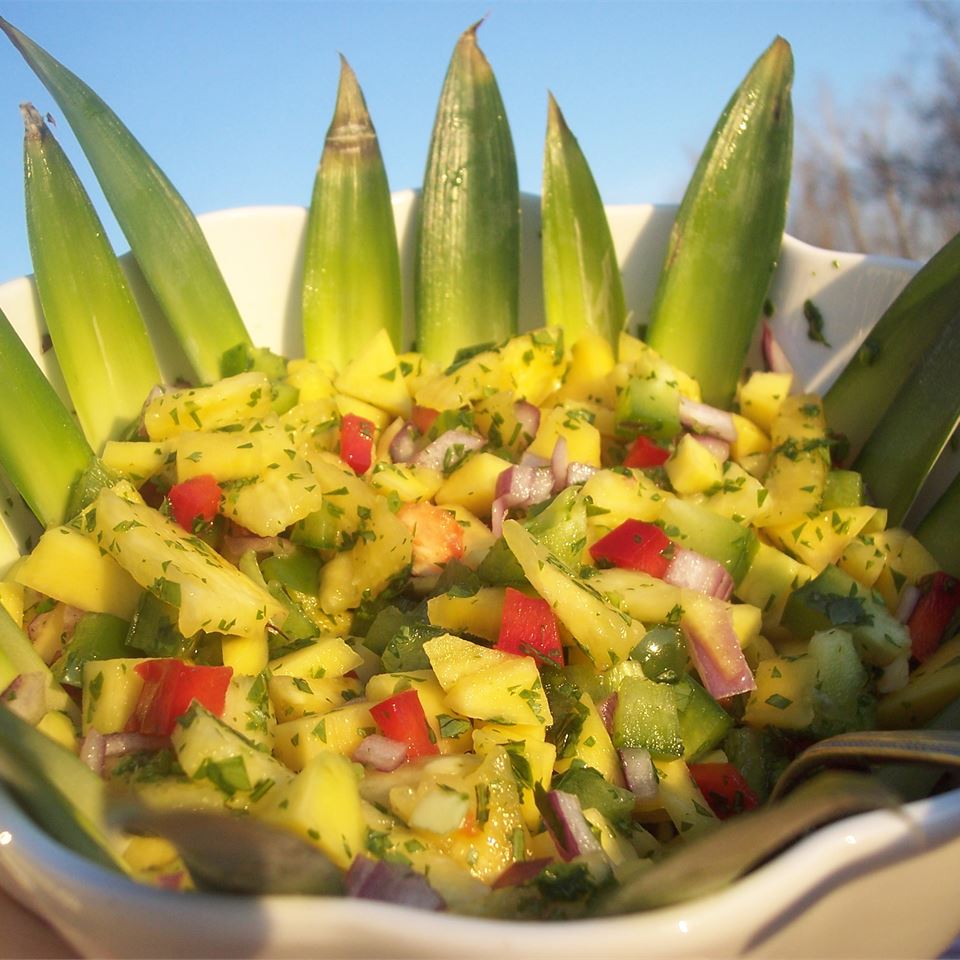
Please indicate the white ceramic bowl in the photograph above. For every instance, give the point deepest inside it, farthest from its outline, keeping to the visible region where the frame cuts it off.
(884, 884)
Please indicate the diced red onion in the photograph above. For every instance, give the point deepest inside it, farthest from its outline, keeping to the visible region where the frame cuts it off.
(391, 882)
(525, 486)
(719, 448)
(696, 572)
(559, 463)
(121, 744)
(498, 513)
(528, 416)
(576, 837)
(523, 871)
(93, 750)
(380, 752)
(579, 473)
(639, 772)
(703, 418)
(715, 648)
(26, 696)
(773, 355)
(528, 459)
(436, 455)
(908, 602)
(403, 447)
(606, 708)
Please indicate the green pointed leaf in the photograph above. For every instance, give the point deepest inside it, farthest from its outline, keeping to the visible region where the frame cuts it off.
(84, 296)
(162, 231)
(467, 258)
(863, 392)
(351, 263)
(726, 238)
(582, 287)
(905, 444)
(42, 449)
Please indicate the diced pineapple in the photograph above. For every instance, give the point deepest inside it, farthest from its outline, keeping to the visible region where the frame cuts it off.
(110, 692)
(505, 692)
(247, 396)
(313, 379)
(784, 694)
(381, 553)
(295, 697)
(246, 655)
(374, 376)
(473, 485)
(340, 730)
(738, 496)
(179, 568)
(573, 423)
(408, 482)
(136, 460)
(453, 658)
(533, 364)
(11, 598)
(496, 418)
(770, 579)
(681, 798)
(604, 632)
(59, 728)
(820, 540)
(750, 439)
(692, 468)
(593, 746)
(322, 803)
(800, 459)
(761, 396)
(531, 756)
(248, 710)
(325, 657)
(287, 491)
(209, 749)
(615, 497)
(479, 614)
(233, 455)
(588, 375)
(71, 568)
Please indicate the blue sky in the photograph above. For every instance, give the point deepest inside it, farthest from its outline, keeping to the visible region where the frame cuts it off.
(233, 98)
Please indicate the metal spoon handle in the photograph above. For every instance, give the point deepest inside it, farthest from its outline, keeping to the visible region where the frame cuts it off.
(931, 747)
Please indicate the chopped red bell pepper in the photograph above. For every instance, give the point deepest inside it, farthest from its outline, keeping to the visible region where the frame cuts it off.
(401, 718)
(723, 787)
(423, 417)
(196, 500)
(356, 442)
(635, 545)
(169, 687)
(528, 627)
(644, 453)
(931, 616)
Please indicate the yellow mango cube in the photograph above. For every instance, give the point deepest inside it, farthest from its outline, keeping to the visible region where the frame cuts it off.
(54, 569)
(692, 468)
(374, 376)
(473, 485)
(761, 396)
